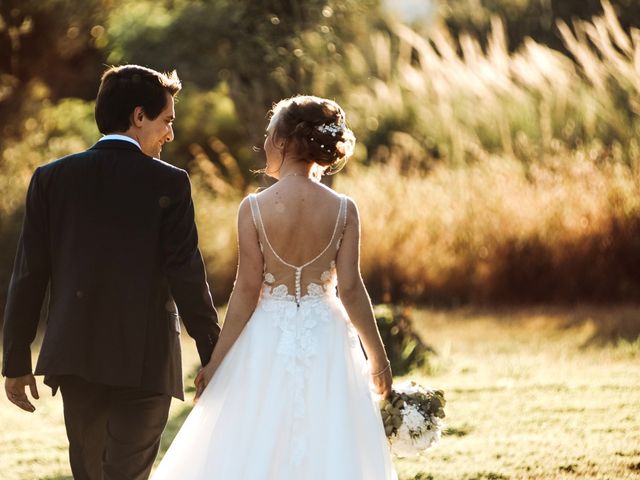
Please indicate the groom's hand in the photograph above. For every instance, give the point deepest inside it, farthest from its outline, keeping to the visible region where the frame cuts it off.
(15, 390)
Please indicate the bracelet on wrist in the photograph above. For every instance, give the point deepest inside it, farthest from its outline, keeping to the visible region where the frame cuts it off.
(382, 371)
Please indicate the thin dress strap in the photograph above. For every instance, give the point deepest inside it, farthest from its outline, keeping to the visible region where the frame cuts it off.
(254, 205)
(254, 214)
(343, 211)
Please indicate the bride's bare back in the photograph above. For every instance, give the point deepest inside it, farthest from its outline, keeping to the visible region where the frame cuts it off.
(300, 226)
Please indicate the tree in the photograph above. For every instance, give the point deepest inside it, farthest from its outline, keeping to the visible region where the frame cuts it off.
(263, 51)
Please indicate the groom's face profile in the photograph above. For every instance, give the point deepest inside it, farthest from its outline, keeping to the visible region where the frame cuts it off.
(152, 134)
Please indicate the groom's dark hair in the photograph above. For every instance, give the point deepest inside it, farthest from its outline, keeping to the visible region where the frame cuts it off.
(126, 87)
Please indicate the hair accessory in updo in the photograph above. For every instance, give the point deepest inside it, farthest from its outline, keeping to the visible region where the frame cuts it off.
(314, 129)
(331, 128)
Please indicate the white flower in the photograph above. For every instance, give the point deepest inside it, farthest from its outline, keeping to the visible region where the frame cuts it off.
(331, 128)
(412, 418)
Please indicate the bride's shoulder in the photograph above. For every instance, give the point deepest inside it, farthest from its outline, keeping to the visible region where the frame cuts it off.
(253, 195)
(351, 203)
(260, 192)
(249, 204)
(330, 193)
(352, 212)
(244, 208)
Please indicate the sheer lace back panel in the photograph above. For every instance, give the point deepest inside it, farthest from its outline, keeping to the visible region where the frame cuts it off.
(296, 282)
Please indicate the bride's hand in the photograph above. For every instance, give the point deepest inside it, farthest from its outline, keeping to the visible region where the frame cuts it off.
(382, 379)
(202, 380)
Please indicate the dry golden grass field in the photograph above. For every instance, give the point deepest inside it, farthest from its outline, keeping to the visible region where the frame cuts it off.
(544, 393)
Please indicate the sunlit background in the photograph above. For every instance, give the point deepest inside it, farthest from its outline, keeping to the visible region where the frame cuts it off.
(497, 174)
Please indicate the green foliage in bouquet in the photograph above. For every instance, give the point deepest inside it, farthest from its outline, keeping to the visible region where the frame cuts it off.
(391, 411)
(405, 349)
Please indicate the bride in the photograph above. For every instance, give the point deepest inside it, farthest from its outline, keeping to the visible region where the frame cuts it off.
(288, 390)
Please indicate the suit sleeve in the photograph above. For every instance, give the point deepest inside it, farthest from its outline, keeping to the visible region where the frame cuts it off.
(186, 273)
(29, 280)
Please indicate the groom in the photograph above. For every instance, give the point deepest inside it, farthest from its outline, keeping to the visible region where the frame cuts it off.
(110, 233)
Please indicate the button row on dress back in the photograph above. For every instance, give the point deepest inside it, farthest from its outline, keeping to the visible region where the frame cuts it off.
(298, 286)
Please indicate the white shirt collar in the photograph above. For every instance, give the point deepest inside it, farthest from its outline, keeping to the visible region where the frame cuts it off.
(115, 136)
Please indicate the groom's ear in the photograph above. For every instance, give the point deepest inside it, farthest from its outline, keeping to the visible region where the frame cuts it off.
(137, 116)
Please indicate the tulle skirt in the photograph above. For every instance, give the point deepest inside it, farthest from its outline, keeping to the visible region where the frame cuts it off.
(291, 400)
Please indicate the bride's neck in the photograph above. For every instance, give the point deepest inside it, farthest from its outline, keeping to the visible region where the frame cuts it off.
(297, 169)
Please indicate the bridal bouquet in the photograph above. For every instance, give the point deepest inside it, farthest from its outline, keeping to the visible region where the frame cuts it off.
(412, 418)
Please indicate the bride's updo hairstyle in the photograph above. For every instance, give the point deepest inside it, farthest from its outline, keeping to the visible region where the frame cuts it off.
(313, 129)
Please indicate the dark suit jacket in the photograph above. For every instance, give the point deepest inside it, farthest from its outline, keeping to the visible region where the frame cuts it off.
(112, 230)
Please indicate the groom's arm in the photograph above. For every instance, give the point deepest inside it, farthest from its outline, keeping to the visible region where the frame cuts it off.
(185, 270)
(28, 284)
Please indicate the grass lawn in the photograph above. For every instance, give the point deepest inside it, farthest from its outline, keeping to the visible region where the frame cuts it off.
(545, 393)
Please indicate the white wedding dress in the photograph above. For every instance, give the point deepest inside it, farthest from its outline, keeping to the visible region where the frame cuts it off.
(292, 399)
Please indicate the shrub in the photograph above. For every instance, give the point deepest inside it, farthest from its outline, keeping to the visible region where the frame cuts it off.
(404, 348)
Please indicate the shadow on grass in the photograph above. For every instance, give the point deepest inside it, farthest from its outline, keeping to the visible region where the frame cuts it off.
(58, 477)
(610, 325)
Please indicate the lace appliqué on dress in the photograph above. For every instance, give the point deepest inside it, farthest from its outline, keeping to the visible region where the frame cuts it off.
(298, 342)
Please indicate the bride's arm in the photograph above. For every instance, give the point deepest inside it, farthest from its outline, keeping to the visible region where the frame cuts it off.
(244, 297)
(355, 299)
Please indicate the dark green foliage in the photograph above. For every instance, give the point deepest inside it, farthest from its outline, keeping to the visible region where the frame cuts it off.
(264, 51)
(404, 348)
(429, 404)
(59, 41)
